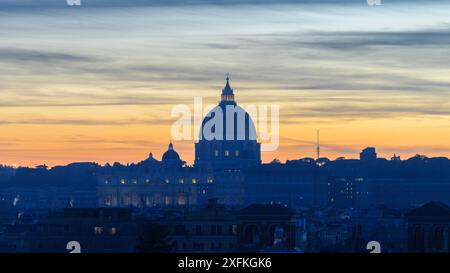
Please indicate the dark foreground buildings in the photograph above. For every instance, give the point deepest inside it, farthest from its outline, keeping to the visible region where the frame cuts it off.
(428, 228)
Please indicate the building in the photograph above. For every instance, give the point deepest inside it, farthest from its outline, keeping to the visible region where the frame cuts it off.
(428, 228)
(209, 229)
(227, 167)
(227, 137)
(368, 154)
(268, 226)
(153, 184)
(98, 230)
(216, 228)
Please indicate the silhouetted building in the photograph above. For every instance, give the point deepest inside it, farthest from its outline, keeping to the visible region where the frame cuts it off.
(216, 228)
(265, 226)
(428, 228)
(209, 229)
(368, 154)
(98, 230)
(231, 143)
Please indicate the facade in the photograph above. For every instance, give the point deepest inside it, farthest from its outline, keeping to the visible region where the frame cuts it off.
(428, 228)
(215, 228)
(209, 229)
(97, 230)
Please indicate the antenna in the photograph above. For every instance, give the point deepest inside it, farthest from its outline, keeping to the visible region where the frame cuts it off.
(318, 144)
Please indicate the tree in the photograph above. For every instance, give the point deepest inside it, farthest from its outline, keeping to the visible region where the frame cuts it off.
(154, 238)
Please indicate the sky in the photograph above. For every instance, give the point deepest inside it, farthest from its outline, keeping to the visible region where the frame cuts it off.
(98, 82)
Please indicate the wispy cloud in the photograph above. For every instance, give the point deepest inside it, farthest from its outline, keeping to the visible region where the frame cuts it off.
(29, 55)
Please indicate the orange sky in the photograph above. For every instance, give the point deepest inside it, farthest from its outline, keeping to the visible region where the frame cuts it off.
(99, 84)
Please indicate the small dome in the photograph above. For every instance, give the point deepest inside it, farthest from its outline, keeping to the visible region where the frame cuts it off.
(171, 157)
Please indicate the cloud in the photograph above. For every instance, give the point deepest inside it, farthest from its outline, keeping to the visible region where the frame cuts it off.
(89, 122)
(351, 40)
(142, 3)
(28, 55)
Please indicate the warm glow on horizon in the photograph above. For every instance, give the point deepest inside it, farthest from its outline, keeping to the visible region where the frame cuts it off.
(98, 85)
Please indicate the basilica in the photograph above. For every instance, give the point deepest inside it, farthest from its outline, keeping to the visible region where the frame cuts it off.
(227, 167)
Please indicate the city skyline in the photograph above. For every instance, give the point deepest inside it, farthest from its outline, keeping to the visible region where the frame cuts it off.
(97, 83)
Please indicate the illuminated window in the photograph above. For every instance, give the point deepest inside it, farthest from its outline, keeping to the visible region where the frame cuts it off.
(108, 201)
(209, 179)
(147, 181)
(107, 181)
(113, 231)
(181, 180)
(216, 153)
(194, 181)
(134, 181)
(167, 200)
(167, 180)
(122, 181)
(236, 153)
(227, 153)
(181, 200)
(98, 230)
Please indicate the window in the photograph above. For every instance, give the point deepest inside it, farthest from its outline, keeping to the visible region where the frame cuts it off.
(122, 181)
(209, 179)
(108, 201)
(134, 181)
(227, 153)
(147, 181)
(219, 229)
(216, 153)
(113, 231)
(194, 181)
(167, 180)
(236, 153)
(107, 181)
(198, 229)
(181, 200)
(98, 230)
(181, 180)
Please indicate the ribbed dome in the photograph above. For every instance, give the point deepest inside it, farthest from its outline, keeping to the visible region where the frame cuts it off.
(241, 128)
(227, 136)
(171, 156)
(221, 128)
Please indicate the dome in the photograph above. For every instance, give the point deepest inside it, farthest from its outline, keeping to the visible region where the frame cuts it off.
(218, 126)
(171, 157)
(221, 128)
(227, 137)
